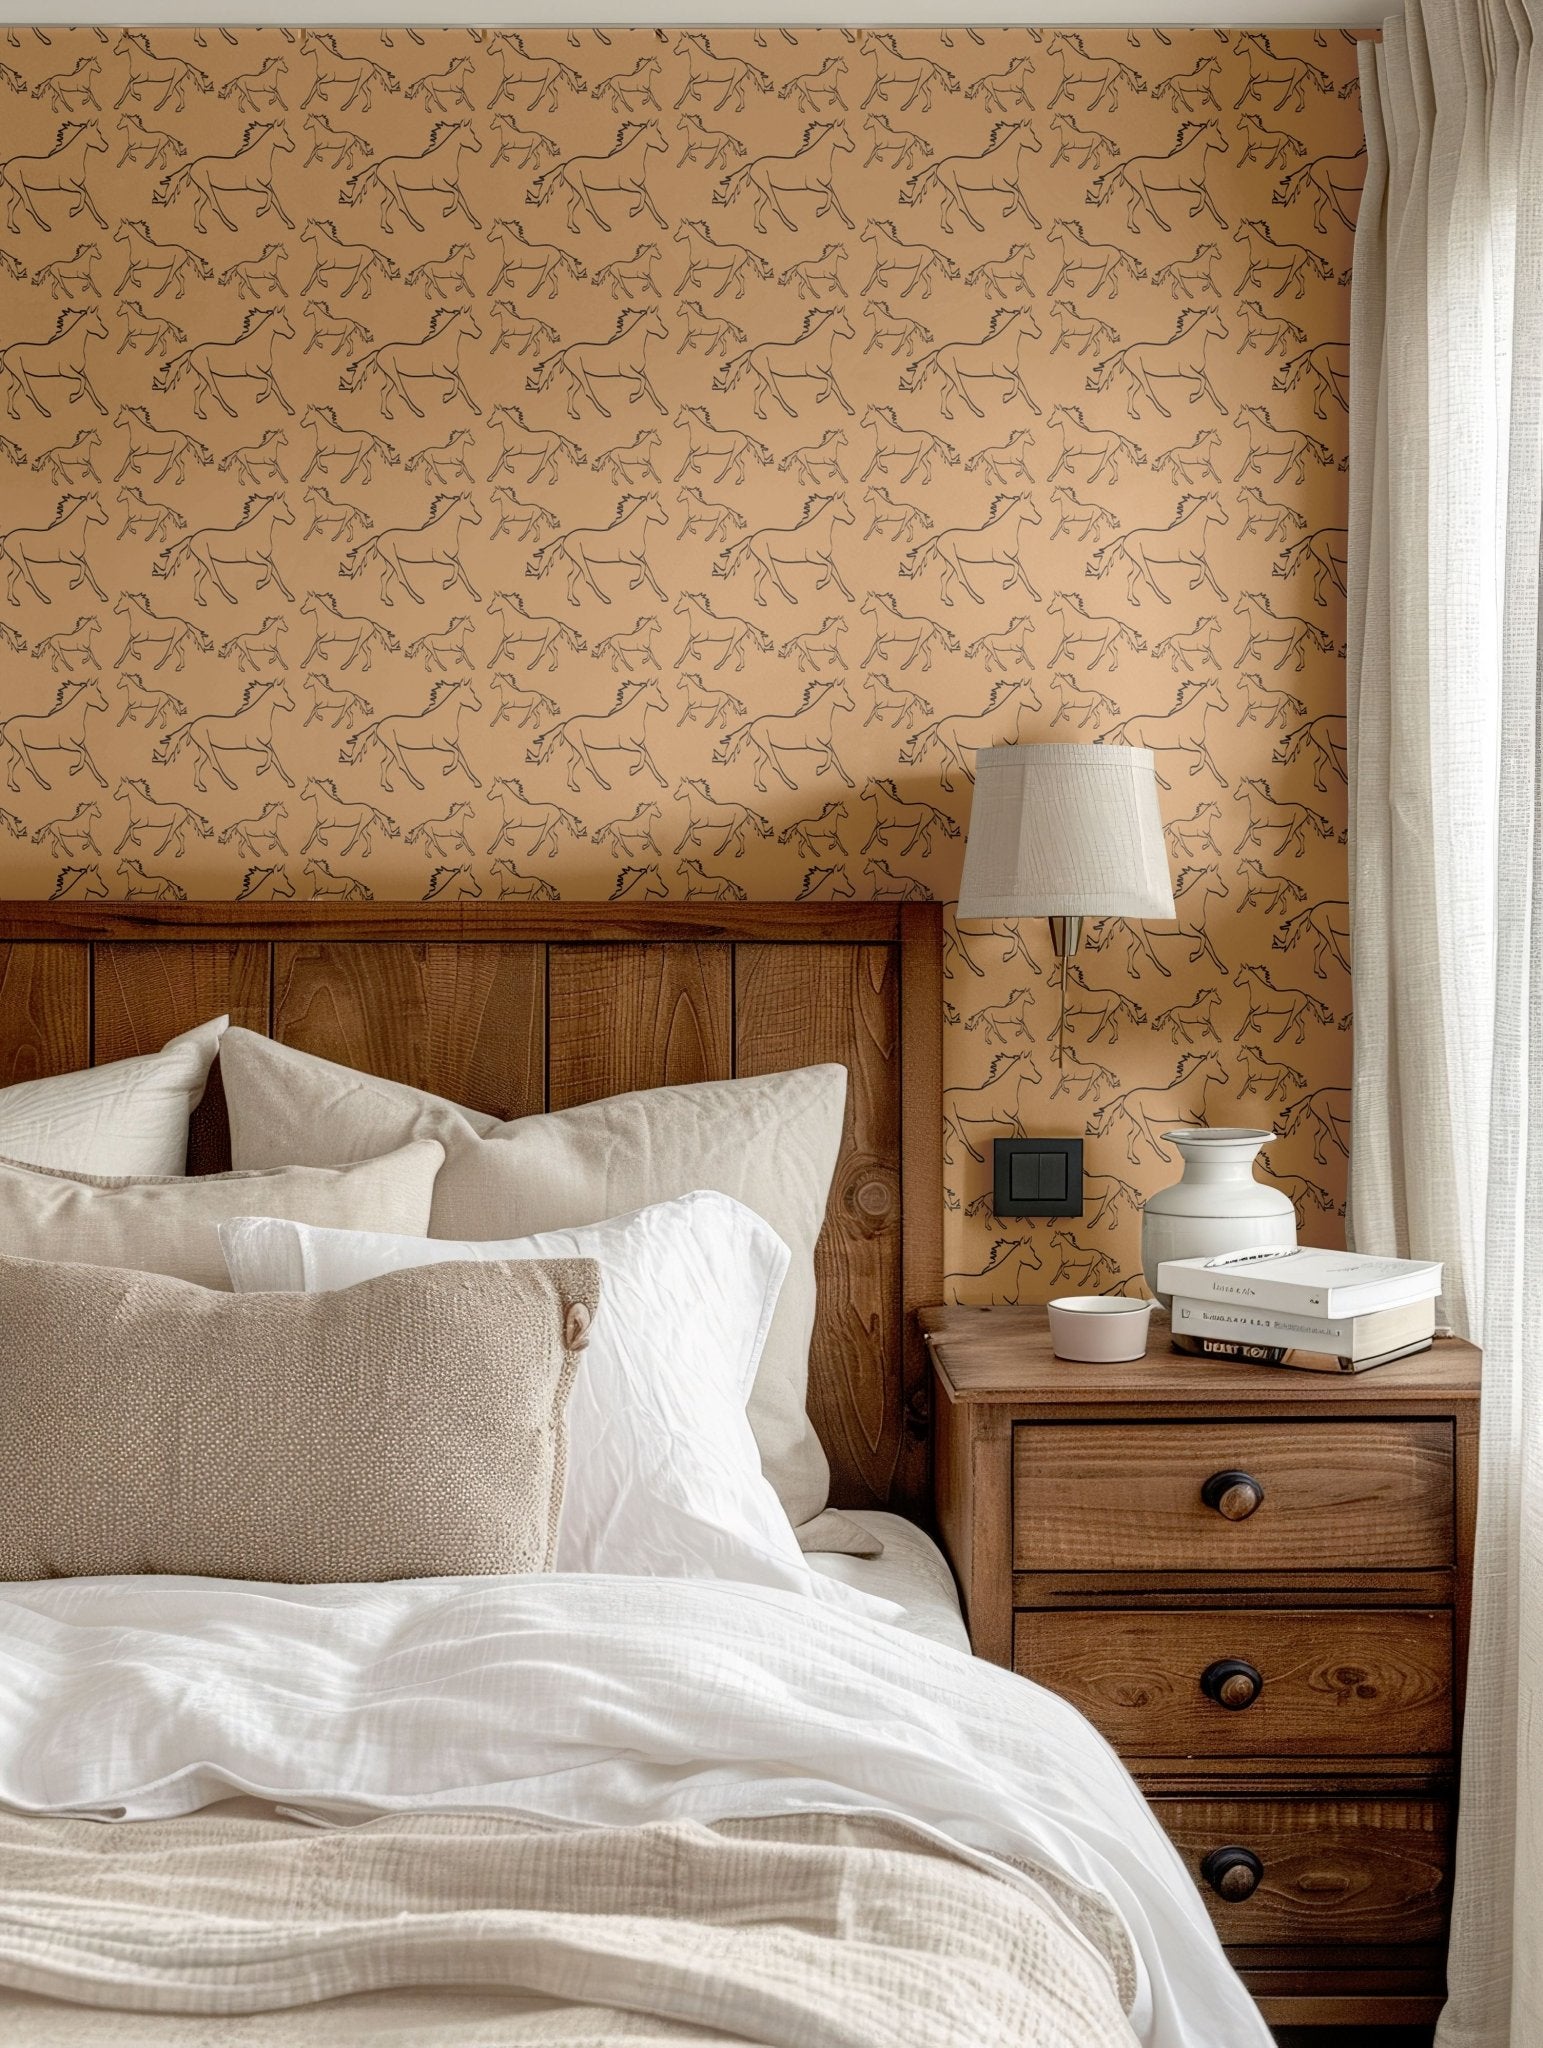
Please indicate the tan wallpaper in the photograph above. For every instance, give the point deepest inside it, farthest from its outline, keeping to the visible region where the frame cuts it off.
(446, 464)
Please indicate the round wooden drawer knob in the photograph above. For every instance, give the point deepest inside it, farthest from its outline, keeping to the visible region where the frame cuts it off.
(1234, 1495)
(1232, 1873)
(1231, 1683)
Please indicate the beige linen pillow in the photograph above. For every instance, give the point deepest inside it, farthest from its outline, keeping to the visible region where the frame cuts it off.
(409, 1427)
(129, 1116)
(172, 1226)
(770, 1142)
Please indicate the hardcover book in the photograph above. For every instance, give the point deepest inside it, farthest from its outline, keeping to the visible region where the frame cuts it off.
(1346, 1336)
(1295, 1356)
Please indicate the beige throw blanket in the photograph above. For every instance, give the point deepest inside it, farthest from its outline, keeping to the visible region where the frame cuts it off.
(232, 1930)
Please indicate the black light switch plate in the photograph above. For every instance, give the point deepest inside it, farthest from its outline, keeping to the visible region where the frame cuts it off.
(1037, 1177)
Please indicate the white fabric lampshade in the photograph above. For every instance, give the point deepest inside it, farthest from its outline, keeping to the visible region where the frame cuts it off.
(1065, 831)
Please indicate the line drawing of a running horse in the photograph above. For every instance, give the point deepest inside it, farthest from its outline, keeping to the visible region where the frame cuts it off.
(247, 545)
(246, 359)
(805, 730)
(211, 181)
(435, 359)
(434, 544)
(436, 729)
(61, 170)
(246, 730)
(771, 551)
(622, 171)
(433, 173)
(807, 358)
(61, 544)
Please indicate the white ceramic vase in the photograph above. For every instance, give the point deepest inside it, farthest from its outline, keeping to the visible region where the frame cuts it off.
(1217, 1206)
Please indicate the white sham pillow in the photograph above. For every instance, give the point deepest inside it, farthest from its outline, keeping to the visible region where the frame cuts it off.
(171, 1225)
(664, 1477)
(126, 1119)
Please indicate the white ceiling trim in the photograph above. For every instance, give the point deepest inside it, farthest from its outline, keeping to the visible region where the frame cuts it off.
(1266, 14)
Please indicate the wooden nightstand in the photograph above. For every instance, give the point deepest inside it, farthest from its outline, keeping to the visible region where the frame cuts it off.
(1255, 1582)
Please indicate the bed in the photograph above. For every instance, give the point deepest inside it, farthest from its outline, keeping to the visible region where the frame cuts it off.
(710, 1818)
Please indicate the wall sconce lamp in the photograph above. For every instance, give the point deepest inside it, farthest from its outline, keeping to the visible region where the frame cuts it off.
(1068, 833)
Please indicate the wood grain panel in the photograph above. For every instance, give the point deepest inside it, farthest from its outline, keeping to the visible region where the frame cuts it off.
(144, 994)
(464, 1021)
(921, 1162)
(1335, 1682)
(445, 921)
(45, 1009)
(972, 1505)
(624, 1017)
(1328, 2006)
(1341, 1872)
(1126, 1495)
(796, 1007)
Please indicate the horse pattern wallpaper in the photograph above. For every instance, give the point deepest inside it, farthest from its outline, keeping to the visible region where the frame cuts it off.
(459, 464)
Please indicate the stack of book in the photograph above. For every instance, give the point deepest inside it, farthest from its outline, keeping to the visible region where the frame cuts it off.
(1317, 1310)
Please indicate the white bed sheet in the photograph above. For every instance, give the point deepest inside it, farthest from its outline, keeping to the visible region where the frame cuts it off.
(587, 1701)
(912, 1572)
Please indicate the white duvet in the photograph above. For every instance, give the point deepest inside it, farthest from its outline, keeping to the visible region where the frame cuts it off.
(585, 1700)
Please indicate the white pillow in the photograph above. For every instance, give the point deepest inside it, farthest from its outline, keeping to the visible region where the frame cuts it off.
(171, 1225)
(664, 1477)
(127, 1118)
(769, 1140)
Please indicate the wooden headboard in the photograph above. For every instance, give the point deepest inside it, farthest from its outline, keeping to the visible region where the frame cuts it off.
(515, 1008)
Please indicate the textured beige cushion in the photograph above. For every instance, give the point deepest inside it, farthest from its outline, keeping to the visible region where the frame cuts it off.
(129, 1116)
(770, 1142)
(172, 1226)
(409, 1427)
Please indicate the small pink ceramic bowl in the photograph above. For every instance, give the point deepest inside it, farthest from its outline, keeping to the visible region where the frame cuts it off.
(1099, 1329)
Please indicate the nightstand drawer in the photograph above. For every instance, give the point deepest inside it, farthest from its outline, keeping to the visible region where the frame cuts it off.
(1323, 1683)
(1355, 1871)
(1341, 1496)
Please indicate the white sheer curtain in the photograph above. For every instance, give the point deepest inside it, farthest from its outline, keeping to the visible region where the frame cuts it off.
(1447, 895)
